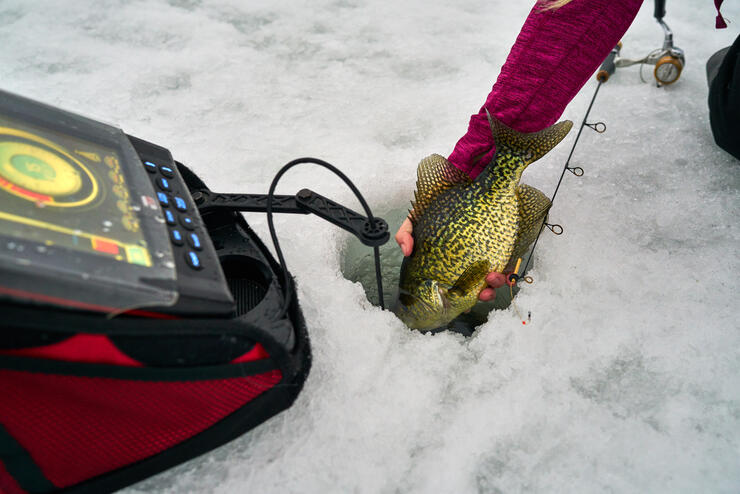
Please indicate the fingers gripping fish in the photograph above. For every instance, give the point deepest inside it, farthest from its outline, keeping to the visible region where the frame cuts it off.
(464, 229)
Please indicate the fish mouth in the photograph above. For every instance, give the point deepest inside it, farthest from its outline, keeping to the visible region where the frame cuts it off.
(435, 315)
(433, 322)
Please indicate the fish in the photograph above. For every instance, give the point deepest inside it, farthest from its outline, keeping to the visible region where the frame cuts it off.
(463, 228)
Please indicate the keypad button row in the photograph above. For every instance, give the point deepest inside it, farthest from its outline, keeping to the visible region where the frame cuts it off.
(180, 203)
(176, 236)
(165, 170)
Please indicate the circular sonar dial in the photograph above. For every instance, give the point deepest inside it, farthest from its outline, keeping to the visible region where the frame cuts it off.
(38, 170)
(42, 172)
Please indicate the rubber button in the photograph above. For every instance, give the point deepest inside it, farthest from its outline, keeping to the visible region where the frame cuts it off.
(163, 199)
(180, 204)
(194, 241)
(193, 260)
(150, 167)
(167, 171)
(163, 183)
(176, 237)
(170, 217)
(187, 222)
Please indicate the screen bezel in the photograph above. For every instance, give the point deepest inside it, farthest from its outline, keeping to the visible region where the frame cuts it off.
(55, 274)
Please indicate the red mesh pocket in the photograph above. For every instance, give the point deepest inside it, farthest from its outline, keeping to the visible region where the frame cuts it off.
(110, 423)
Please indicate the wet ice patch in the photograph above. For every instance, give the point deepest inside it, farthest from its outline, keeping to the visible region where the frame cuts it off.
(627, 387)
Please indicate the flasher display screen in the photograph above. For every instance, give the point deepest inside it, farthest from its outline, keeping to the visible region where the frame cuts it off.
(68, 192)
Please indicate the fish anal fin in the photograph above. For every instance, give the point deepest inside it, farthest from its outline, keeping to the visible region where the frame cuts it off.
(533, 208)
(434, 175)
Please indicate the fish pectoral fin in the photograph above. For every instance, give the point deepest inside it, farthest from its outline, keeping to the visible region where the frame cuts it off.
(471, 278)
(529, 147)
(434, 175)
(533, 208)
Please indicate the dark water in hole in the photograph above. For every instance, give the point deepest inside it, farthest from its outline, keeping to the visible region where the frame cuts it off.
(358, 264)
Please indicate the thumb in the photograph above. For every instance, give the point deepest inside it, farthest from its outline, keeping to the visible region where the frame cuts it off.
(404, 237)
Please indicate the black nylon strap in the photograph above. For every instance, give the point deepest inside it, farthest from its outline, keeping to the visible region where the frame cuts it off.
(70, 322)
(21, 466)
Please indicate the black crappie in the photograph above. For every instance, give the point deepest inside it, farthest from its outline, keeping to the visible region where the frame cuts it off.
(464, 229)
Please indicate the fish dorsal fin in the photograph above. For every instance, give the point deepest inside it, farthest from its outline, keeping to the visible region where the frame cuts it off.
(471, 278)
(533, 208)
(434, 175)
(527, 147)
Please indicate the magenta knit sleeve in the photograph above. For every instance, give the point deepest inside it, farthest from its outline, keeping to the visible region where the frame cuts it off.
(553, 57)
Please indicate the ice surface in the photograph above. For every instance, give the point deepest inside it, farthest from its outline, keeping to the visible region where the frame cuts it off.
(627, 379)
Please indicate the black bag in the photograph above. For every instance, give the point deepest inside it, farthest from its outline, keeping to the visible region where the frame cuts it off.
(90, 404)
(723, 73)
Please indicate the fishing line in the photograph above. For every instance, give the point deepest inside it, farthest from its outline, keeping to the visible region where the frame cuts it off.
(287, 281)
(511, 282)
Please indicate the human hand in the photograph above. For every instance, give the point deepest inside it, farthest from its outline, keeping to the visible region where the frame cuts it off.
(494, 280)
(405, 240)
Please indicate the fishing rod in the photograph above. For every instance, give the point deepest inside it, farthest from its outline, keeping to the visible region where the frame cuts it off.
(669, 62)
(605, 71)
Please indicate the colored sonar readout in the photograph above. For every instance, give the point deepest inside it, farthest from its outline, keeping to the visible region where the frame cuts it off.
(58, 190)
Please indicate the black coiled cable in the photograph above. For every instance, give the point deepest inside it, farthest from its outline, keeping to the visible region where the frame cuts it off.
(270, 224)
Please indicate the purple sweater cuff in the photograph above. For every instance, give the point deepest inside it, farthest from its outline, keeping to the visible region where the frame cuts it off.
(553, 57)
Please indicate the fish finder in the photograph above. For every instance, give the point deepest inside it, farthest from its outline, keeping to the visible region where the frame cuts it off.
(143, 321)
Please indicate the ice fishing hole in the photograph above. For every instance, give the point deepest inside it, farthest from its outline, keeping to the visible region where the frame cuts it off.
(358, 264)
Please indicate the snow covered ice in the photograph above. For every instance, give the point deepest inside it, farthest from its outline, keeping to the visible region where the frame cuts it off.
(628, 377)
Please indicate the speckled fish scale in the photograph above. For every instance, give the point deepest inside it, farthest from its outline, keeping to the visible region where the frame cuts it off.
(462, 225)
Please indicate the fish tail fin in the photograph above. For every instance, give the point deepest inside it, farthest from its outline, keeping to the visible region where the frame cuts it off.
(527, 147)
